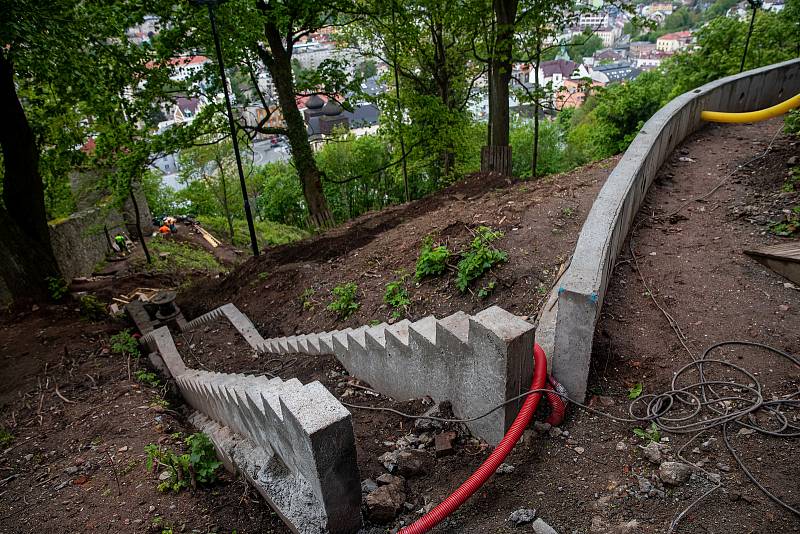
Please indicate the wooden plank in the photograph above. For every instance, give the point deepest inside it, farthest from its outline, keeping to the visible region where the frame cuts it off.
(784, 259)
(785, 251)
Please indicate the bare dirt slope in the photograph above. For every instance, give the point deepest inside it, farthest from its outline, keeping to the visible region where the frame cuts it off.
(540, 221)
(79, 427)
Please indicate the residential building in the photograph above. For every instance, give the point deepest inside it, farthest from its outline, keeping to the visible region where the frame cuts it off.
(663, 7)
(574, 92)
(554, 72)
(672, 42)
(615, 72)
(185, 109)
(608, 35)
(593, 20)
(607, 55)
(637, 48)
(650, 60)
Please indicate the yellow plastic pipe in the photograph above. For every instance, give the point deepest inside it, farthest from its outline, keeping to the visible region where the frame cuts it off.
(752, 116)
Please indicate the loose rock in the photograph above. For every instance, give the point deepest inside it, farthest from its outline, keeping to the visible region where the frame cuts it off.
(413, 463)
(652, 452)
(540, 527)
(385, 502)
(386, 479)
(674, 473)
(522, 516)
(368, 485)
(504, 469)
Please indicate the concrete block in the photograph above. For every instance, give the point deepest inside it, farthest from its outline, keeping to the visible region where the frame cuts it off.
(160, 341)
(303, 431)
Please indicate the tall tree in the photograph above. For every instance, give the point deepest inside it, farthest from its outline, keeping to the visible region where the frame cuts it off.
(49, 52)
(428, 47)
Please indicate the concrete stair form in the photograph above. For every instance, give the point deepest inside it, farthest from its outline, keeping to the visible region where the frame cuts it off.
(294, 442)
(476, 362)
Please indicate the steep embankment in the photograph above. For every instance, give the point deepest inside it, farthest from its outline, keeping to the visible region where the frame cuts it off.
(287, 289)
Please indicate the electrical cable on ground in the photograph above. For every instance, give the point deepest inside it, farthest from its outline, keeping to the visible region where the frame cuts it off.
(683, 409)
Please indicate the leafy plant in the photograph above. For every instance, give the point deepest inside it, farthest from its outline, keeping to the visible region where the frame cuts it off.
(344, 302)
(649, 434)
(263, 276)
(791, 122)
(432, 261)
(480, 257)
(148, 378)
(57, 287)
(125, 344)
(790, 226)
(486, 290)
(396, 296)
(91, 308)
(568, 212)
(635, 392)
(159, 402)
(5, 438)
(792, 183)
(307, 298)
(198, 466)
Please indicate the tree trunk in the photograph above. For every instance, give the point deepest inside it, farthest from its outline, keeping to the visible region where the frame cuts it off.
(139, 226)
(280, 68)
(27, 254)
(396, 69)
(501, 65)
(535, 162)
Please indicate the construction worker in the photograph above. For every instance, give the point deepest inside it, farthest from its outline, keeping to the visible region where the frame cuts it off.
(121, 242)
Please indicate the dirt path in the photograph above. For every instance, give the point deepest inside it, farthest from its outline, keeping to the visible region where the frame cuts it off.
(597, 480)
(60, 472)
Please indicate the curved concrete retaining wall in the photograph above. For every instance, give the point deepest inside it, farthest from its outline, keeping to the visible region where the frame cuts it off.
(571, 322)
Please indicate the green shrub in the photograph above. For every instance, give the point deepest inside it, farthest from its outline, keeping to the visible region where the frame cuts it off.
(792, 183)
(487, 290)
(57, 287)
(5, 438)
(92, 309)
(790, 225)
(198, 466)
(432, 261)
(148, 378)
(124, 344)
(267, 232)
(307, 299)
(648, 434)
(791, 122)
(180, 257)
(480, 257)
(396, 296)
(344, 302)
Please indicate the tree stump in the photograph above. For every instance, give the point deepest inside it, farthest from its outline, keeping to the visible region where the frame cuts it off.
(496, 159)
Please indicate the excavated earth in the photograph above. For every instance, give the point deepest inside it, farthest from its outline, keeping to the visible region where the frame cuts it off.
(76, 463)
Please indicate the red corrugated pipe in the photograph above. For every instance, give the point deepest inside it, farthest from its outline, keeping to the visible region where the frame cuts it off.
(487, 469)
(556, 401)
